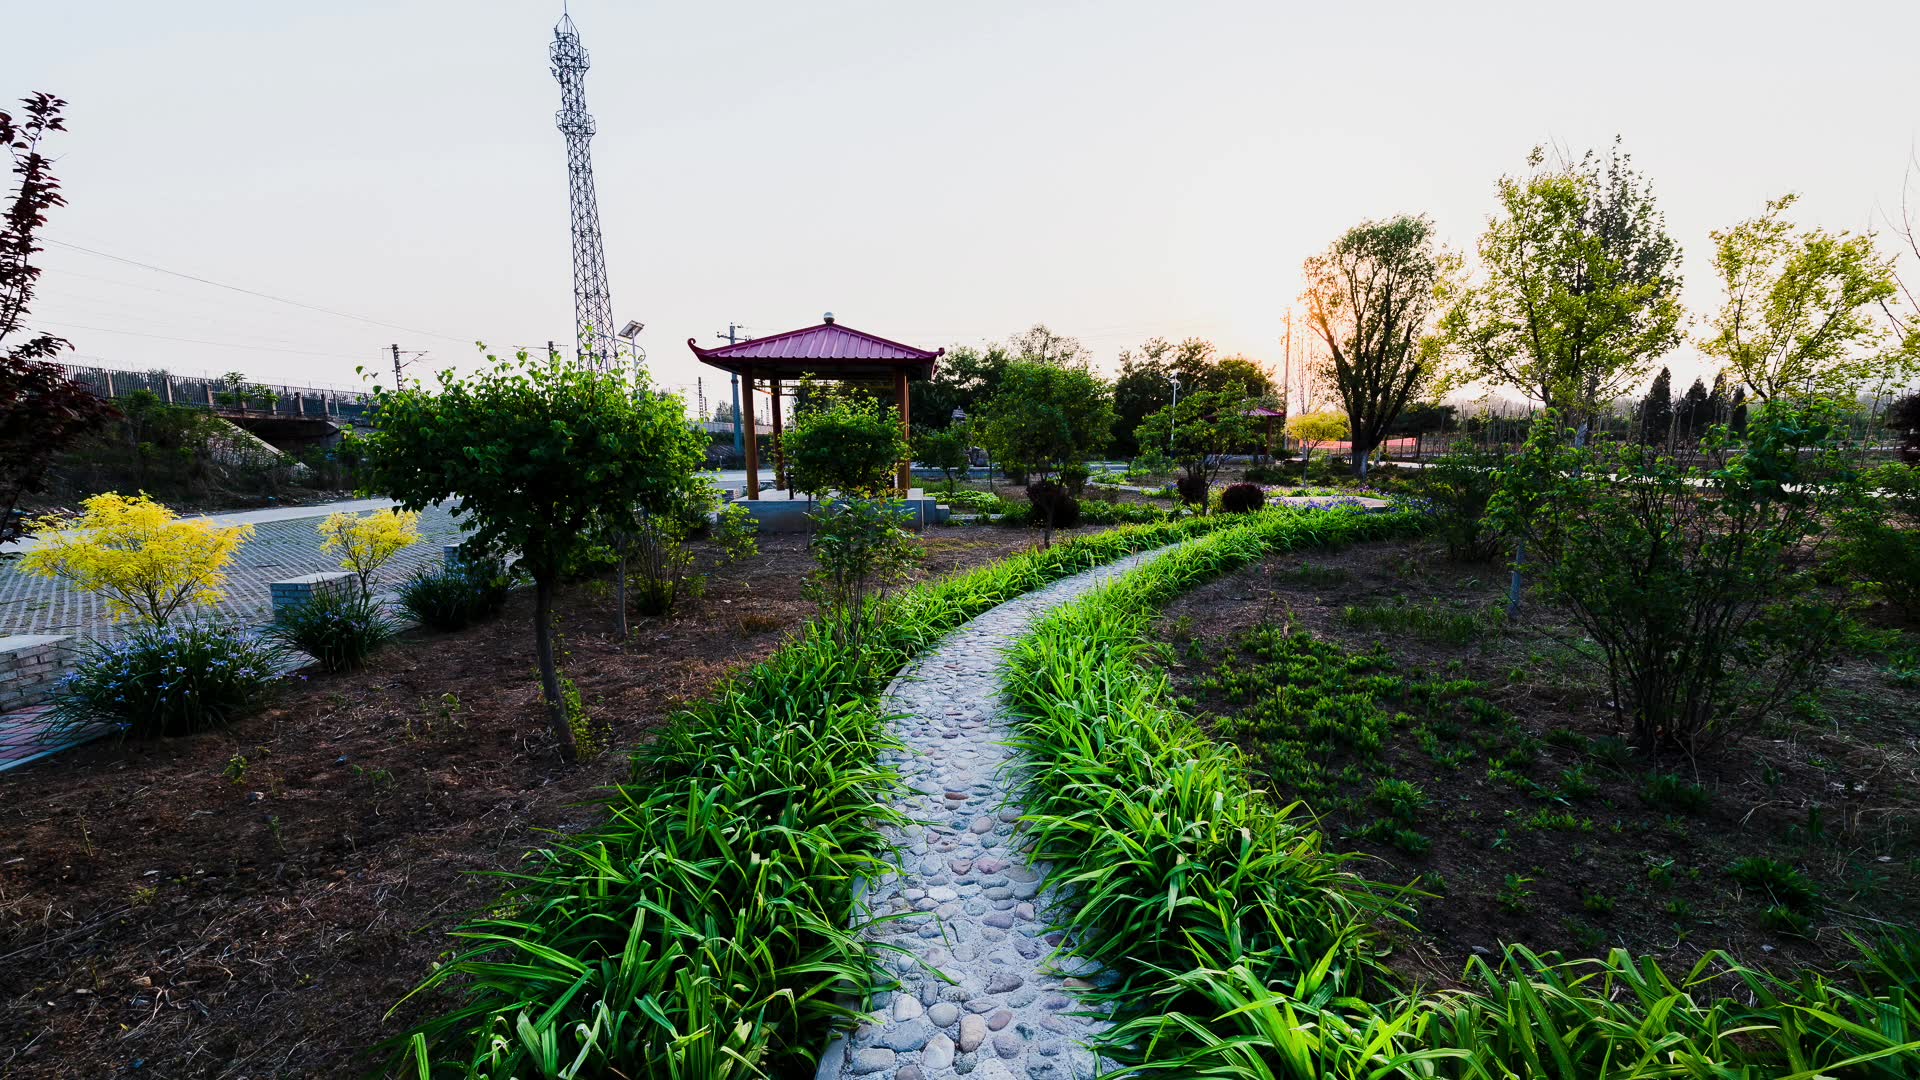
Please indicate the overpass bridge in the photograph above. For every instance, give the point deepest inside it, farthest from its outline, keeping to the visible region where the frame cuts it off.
(282, 415)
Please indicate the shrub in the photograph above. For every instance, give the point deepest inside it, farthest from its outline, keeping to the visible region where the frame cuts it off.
(340, 629)
(1880, 538)
(844, 442)
(1242, 498)
(1192, 488)
(365, 543)
(1693, 580)
(169, 680)
(455, 597)
(1050, 506)
(1098, 512)
(1074, 476)
(1459, 485)
(1269, 474)
(138, 555)
(862, 552)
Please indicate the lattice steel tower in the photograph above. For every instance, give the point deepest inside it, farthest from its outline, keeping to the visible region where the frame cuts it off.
(592, 309)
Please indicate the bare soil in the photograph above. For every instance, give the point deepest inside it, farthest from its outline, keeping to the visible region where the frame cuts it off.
(1831, 787)
(251, 902)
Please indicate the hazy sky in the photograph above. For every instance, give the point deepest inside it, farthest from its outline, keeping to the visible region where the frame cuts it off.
(935, 173)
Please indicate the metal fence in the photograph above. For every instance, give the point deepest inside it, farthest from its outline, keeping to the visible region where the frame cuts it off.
(206, 392)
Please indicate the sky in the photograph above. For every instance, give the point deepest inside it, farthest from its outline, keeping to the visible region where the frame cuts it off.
(938, 174)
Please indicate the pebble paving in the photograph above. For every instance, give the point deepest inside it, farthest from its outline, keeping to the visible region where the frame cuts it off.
(981, 995)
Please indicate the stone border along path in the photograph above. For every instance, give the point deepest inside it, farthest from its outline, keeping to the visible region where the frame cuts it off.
(977, 908)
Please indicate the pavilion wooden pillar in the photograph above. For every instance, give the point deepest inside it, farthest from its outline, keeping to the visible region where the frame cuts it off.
(905, 477)
(753, 437)
(779, 451)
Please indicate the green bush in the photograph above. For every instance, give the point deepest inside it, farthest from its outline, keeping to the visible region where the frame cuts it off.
(1694, 580)
(1880, 539)
(169, 680)
(456, 597)
(341, 629)
(1782, 884)
(1051, 505)
(1458, 486)
(1242, 498)
(1675, 793)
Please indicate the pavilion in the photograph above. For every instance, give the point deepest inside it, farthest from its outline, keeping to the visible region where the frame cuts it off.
(827, 350)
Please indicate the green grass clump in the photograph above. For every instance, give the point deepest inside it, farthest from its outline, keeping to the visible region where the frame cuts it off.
(702, 929)
(1240, 945)
(1785, 885)
(1675, 793)
(1431, 621)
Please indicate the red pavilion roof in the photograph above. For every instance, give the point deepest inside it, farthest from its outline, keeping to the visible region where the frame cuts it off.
(827, 349)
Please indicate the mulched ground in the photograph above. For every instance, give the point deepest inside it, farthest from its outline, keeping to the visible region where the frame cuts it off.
(251, 903)
(1832, 788)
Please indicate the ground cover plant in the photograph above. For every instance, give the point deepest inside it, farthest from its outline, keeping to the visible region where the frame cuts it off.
(703, 927)
(340, 628)
(1240, 945)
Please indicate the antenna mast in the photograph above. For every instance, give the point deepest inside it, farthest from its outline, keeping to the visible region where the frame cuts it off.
(592, 308)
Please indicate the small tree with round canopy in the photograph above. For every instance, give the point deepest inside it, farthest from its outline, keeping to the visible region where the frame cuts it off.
(1046, 418)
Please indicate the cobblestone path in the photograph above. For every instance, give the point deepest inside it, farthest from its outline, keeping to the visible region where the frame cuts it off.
(996, 1009)
(277, 550)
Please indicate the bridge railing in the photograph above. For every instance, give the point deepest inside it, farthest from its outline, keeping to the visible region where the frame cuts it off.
(205, 392)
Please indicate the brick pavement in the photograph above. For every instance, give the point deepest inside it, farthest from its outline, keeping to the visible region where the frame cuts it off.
(277, 550)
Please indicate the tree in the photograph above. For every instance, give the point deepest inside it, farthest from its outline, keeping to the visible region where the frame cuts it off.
(1656, 409)
(1315, 429)
(533, 453)
(843, 441)
(945, 450)
(1046, 418)
(42, 411)
(1040, 345)
(139, 556)
(1371, 297)
(1691, 415)
(1580, 289)
(1205, 426)
(1800, 312)
(965, 379)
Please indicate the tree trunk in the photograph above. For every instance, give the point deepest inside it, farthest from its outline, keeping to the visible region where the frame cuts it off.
(620, 603)
(549, 673)
(1361, 460)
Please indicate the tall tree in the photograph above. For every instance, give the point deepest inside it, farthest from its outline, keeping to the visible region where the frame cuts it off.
(1040, 345)
(1656, 409)
(1691, 416)
(1580, 288)
(42, 411)
(1372, 297)
(1801, 315)
(965, 379)
(1046, 418)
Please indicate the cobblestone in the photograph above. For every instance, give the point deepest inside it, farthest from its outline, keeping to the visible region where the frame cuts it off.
(973, 912)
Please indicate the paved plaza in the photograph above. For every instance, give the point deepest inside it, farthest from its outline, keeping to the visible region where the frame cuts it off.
(285, 544)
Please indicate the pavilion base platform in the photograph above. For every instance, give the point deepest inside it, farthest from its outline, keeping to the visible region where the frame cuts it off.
(779, 512)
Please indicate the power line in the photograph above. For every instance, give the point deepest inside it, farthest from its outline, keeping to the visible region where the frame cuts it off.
(197, 341)
(254, 292)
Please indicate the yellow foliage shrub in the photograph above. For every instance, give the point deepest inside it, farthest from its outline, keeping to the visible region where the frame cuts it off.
(139, 555)
(365, 544)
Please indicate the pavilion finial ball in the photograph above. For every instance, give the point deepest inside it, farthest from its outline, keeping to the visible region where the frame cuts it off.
(827, 318)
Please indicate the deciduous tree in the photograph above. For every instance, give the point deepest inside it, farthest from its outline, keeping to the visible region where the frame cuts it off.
(1579, 290)
(1802, 313)
(533, 453)
(1372, 297)
(42, 411)
(1046, 418)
